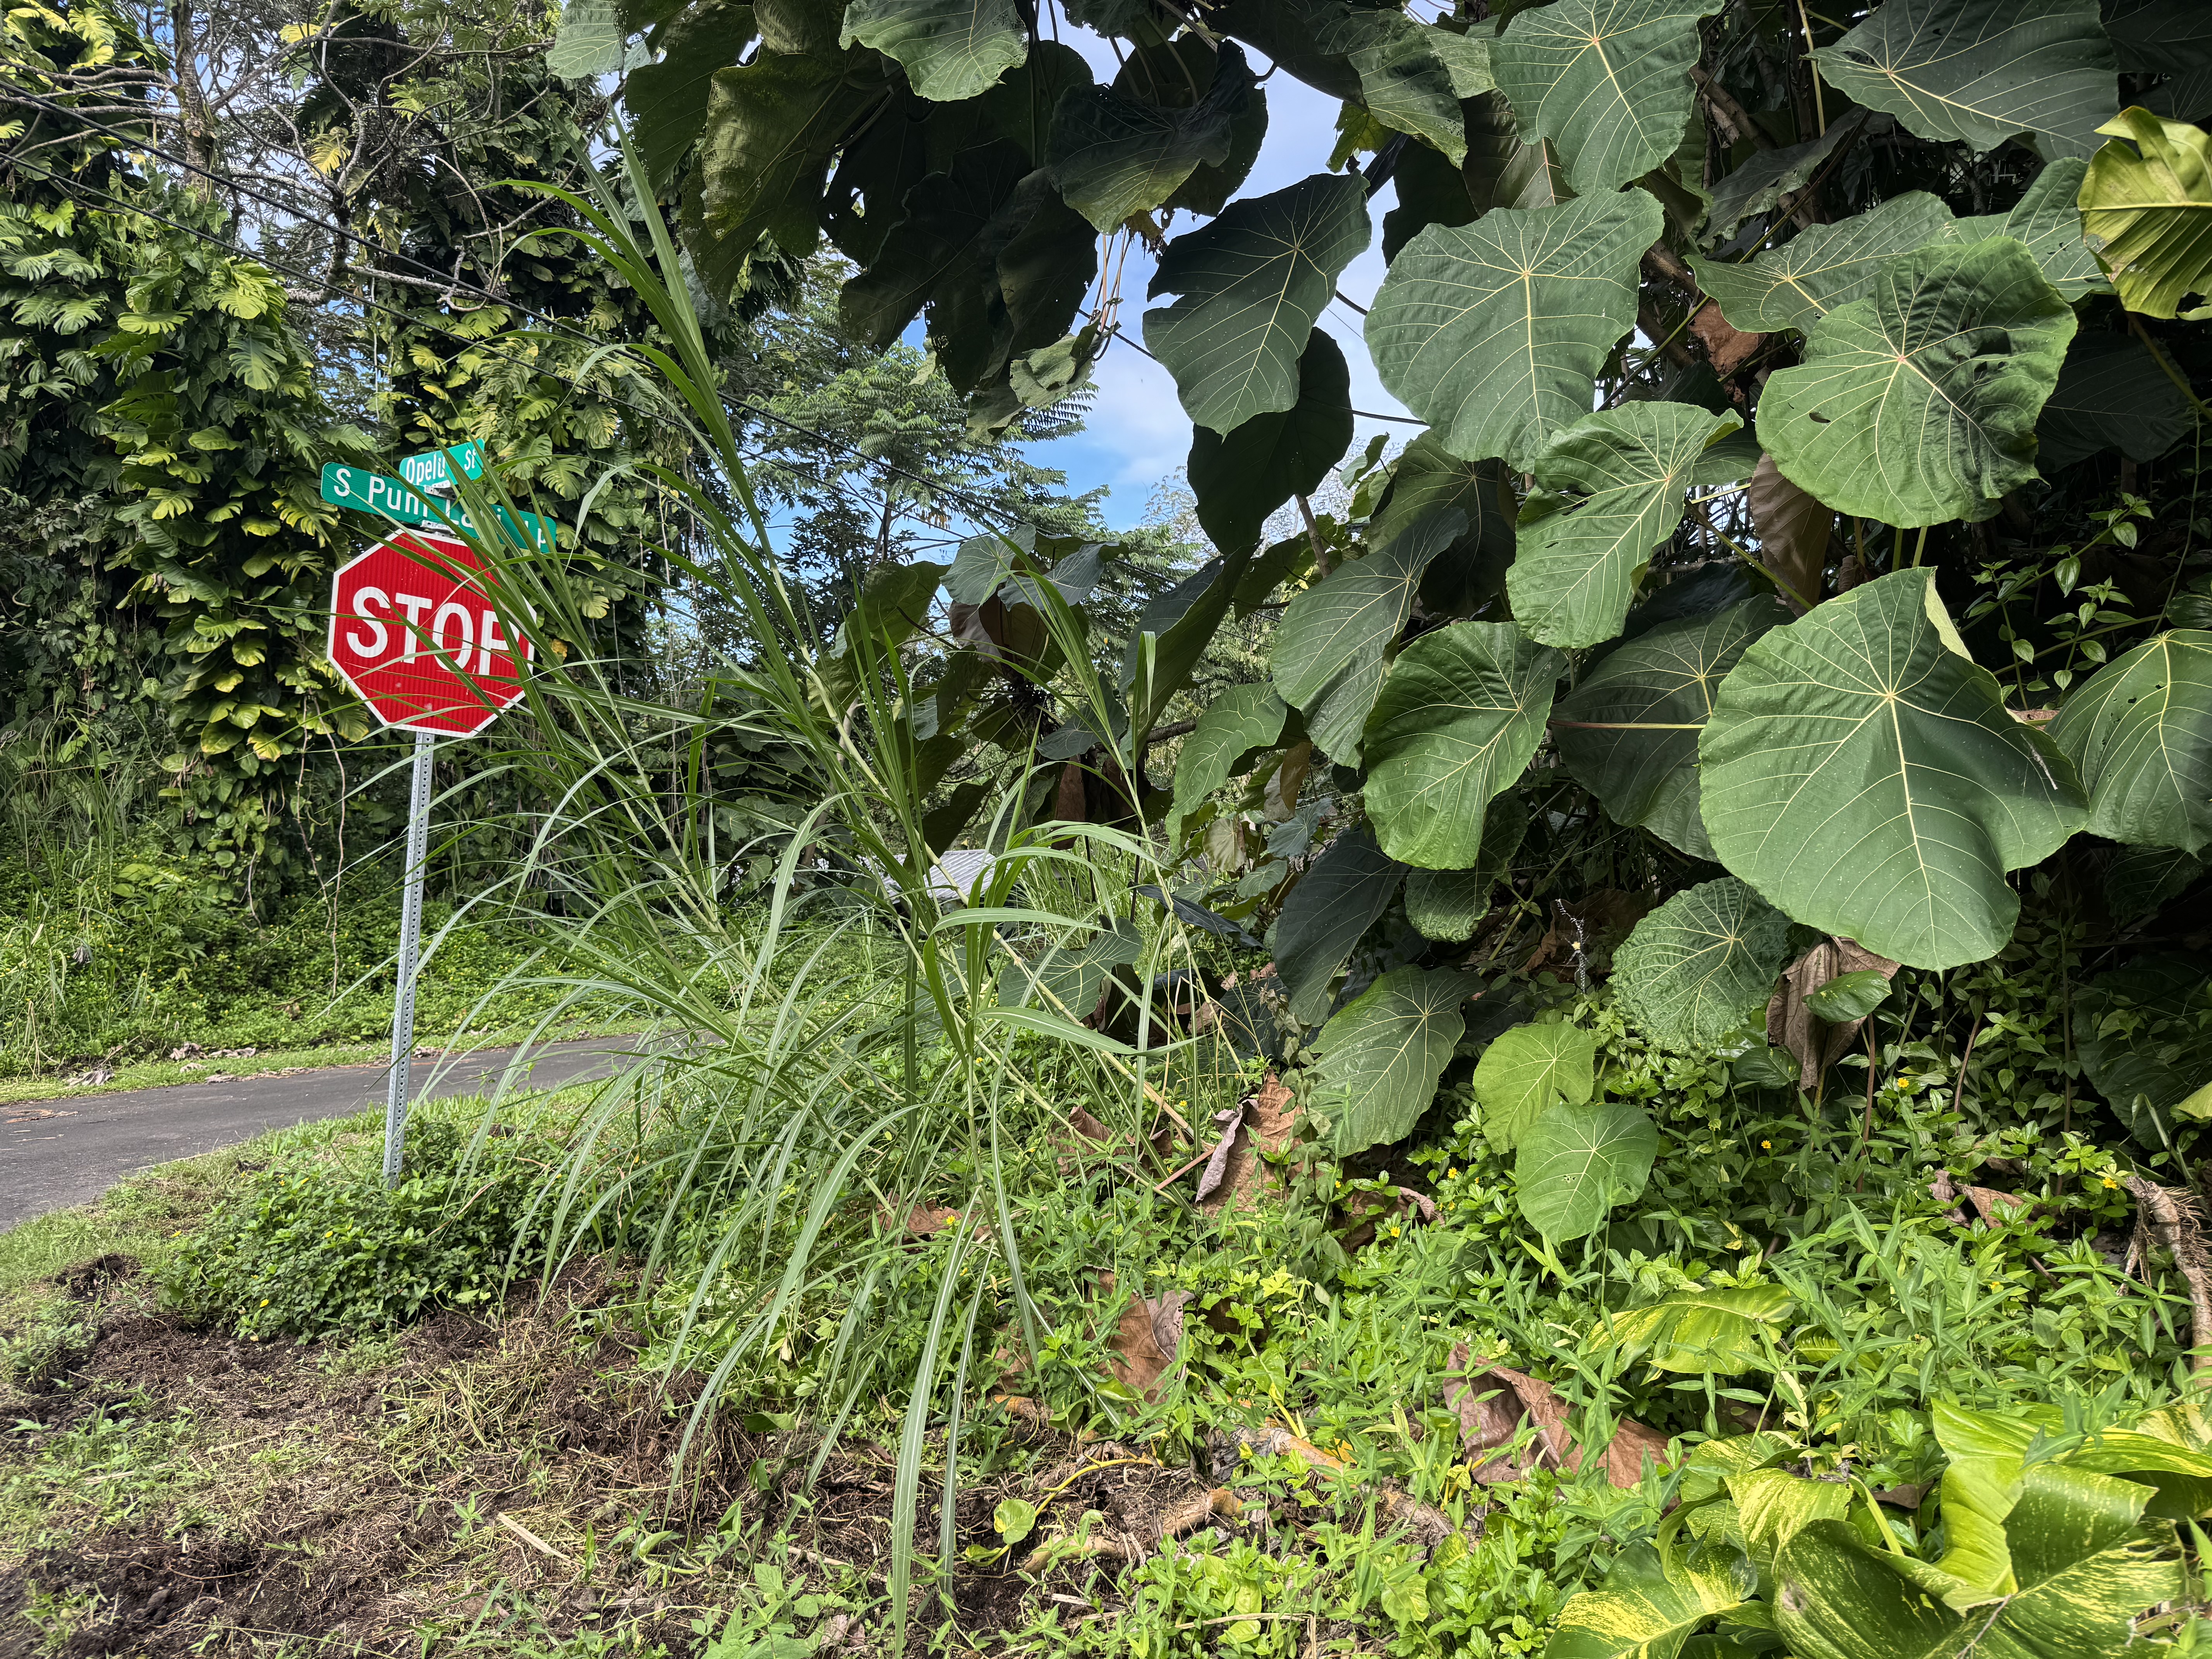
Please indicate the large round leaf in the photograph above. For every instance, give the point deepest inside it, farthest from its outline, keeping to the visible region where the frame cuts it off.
(1241, 719)
(951, 50)
(1606, 81)
(1334, 903)
(667, 100)
(1629, 732)
(1429, 478)
(1122, 149)
(1494, 333)
(1702, 965)
(1577, 1162)
(1252, 284)
(2112, 394)
(1241, 478)
(1457, 723)
(1982, 71)
(1917, 405)
(1380, 1054)
(1608, 490)
(1526, 1071)
(2148, 213)
(2047, 220)
(1865, 775)
(1826, 266)
(2141, 732)
(1449, 904)
(1327, 654)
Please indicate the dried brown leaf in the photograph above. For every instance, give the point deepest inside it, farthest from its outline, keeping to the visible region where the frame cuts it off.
(1791, 1025)
(1146, 1340)
(1794, 526)
(1495, 1404)
(1270, 1118)
(1727, 348)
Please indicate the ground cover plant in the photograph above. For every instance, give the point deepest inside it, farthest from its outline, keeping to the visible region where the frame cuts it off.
(1635, 1087)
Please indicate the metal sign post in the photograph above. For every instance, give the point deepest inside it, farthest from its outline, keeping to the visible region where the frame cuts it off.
(415, 632)
(410, 941)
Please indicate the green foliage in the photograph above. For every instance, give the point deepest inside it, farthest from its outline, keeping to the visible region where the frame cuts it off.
(307, 1251)
(1698, 969)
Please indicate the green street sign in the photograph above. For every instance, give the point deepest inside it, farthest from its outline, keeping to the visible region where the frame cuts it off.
(372, 492)
(434, 467)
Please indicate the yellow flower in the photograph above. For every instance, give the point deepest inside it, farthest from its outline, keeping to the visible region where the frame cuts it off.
(1451, 1174)
(264, 1301)
(2110, 1183)
(332, 1230)
(1765, 1145)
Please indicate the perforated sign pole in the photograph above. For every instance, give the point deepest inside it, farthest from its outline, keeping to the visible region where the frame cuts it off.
(410, 941)
(414, 633)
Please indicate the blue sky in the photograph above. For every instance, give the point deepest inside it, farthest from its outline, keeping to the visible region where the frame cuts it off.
(1138, 433)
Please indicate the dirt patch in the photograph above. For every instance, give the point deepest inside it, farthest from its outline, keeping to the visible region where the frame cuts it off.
(87, 1280)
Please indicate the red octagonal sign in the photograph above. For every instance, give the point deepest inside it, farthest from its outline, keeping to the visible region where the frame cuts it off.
(412, 631)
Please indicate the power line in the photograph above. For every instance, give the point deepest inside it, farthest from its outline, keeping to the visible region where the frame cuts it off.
(454, 284)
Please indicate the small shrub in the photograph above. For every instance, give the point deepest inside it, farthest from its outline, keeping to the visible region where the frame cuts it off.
(309, 1252)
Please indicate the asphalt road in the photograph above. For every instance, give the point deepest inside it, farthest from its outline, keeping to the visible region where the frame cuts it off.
(54, 1153)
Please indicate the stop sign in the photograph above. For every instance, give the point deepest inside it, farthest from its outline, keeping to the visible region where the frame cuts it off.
(414, 634)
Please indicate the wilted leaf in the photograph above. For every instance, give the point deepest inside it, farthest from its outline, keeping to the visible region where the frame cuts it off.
(1791, 1024)
(2148, 212)
(1146, 1342)
(1794, 526)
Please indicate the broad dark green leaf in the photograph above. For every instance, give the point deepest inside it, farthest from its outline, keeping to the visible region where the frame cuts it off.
(1068, 979)
(1700, 968)
(1241, 478)
(1917, 404)
(1382, 1053)
(1448, 904)
(940, 256)
(2140, 880)
(1326, 658)
(1865, 775)
(667, 100)
(1430, 190)
(1413, 76)
(2111, 395)
(1241, 719)
(1336, 901)
(1639, 712)
(1181, 623)
(1526, 1071)
(1851, 996)
(951, 50)
(1829, 265)
(2140, 731)
(1982, 71)
(1645, 1610)
(1575, 1163)
(1116, 151)
(1493, 332)
(1252, 284)
(2160, 37)
(2144, 1033)
(1758, 185)
(772, 125)
(1609, 491)
(1455, 724)
(2047, 220)
(1606, 81)
(1429, 478)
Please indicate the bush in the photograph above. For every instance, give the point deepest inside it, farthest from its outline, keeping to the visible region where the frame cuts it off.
(309, 1252)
